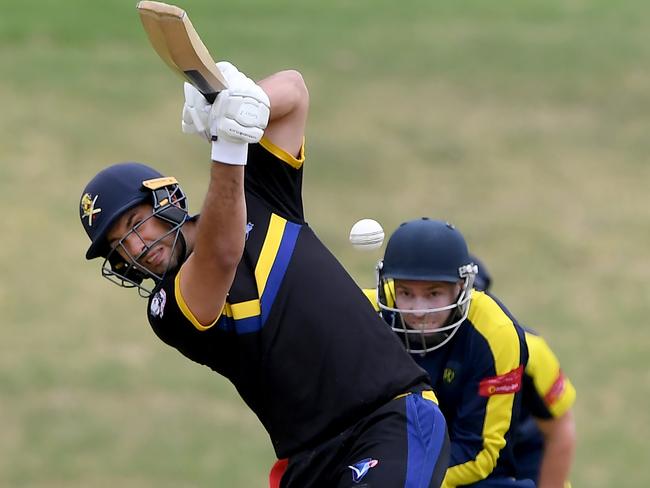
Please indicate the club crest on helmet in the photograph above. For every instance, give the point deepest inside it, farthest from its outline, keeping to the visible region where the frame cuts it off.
(88, 210)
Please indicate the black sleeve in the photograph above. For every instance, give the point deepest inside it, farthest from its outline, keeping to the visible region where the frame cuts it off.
(208, 347)
(275, 177)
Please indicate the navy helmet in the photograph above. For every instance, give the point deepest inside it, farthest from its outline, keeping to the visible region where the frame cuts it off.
(426, 250)
(113, 191)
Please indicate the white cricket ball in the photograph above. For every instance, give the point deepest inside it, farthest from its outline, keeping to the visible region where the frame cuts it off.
(367, 234)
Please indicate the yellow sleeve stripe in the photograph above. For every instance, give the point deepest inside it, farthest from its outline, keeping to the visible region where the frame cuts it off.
(186, 310)
(544, 368)
(283, 155)
(243, 310)
(250, 308)
(269, 251)
(497, 329)
(566, 401)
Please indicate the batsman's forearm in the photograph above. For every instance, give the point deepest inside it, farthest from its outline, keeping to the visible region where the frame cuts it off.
(208, 273)
(222, 226)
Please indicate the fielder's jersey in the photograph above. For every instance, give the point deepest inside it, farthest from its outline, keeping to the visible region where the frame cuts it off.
(477, 377)
(297, 338)
(547, 394)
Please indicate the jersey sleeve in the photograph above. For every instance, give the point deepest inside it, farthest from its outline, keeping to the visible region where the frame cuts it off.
(482, 425)
(173, 322)
(275, 177)
(550, 393)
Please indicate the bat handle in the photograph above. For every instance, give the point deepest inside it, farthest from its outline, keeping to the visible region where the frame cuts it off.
(201, 84)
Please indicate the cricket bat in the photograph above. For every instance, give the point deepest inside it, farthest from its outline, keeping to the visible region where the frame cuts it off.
(176, 41)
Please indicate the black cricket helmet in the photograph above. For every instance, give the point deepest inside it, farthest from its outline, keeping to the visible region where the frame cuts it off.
(425, 250)
(115, 190)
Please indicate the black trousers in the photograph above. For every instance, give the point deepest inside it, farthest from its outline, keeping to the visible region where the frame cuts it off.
(403, 444)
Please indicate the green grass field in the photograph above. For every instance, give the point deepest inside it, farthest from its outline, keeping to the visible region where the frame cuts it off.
(525, 123)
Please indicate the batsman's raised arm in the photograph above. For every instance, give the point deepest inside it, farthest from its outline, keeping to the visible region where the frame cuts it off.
(236, 119)
(289, 107)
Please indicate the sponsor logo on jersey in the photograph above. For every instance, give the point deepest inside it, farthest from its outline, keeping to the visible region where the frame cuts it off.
(158, 302)
(448, 375)
(361, 468)
(88, 209)
(503, 384)
(556, 390)
(249, 228)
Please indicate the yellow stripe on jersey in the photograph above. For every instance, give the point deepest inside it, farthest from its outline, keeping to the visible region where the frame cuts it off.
(243, 310)
(426, 394)
(280, 153)
(430, 395)
(250, 308)
(371, 295)
(497, 329)
(544, 368)
(185, 309)
(269, 251)
(389, 293)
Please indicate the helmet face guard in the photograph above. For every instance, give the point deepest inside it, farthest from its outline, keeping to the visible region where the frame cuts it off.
(169, 203)
(422, 341)
(107, 197)
(429, 251)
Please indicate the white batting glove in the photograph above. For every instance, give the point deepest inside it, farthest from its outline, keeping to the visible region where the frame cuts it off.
(196, 109)
(230, 73)
(238, 118)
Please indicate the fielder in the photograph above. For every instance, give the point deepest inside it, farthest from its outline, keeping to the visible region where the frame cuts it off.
(545, 438)
(247, 289)
(472, 347)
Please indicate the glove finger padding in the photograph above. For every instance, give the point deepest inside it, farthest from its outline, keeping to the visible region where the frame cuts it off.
(230, 72)
(196, 112)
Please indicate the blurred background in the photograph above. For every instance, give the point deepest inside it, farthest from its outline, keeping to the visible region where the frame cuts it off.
(524, 123)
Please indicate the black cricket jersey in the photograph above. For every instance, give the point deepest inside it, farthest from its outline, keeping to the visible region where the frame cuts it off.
(297, 338)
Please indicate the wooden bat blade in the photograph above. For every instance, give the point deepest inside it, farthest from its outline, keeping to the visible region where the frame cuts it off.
(176, 41)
